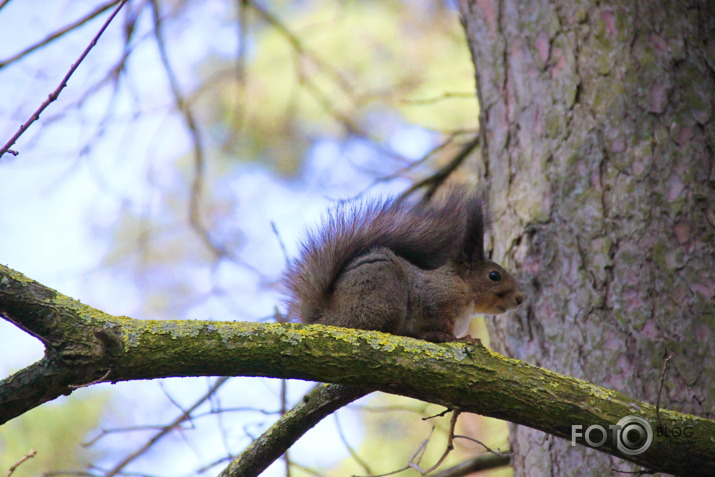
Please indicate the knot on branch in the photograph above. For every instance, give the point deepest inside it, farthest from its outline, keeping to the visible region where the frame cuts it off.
(78, 339)
(98, 348)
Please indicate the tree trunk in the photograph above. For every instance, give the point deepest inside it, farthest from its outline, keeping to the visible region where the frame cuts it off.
(598, 138)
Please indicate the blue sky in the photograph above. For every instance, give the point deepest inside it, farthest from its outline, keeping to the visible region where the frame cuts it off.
(76, 175)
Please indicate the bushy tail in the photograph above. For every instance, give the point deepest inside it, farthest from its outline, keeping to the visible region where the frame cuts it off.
(424, 234)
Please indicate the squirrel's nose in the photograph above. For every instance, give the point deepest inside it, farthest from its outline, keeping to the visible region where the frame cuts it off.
(519, 298)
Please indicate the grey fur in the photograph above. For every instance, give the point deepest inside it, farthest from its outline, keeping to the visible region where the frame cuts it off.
(400, 267)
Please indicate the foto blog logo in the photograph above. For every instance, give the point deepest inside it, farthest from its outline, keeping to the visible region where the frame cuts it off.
(633, 435)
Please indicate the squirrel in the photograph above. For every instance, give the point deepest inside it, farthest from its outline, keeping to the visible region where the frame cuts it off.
(406, 268)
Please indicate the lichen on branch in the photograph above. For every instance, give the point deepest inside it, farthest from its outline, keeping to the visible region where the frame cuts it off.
(85, 345)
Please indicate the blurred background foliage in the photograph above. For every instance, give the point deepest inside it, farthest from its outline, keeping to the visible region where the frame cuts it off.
(175, 176)
(55, 433)
(340, 71)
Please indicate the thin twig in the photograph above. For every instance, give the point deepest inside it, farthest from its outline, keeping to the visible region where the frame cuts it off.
(187, 114)
(450, 443)
(17, 464)
(660, 389)
(208, 466)
(96, 381)
(479, 463)
(171, 399)
(353, 453)
(284, 409)
(420, 453)
(425, 157)
(486, 447)
(439, 414)
(434, 99)
(320, 402)
(59, 33)
(387, 474)
(297, 45)
(286, 258)
(55, 94)
(78, 473)
(215, 409)
(432, 182)
(167, 429)
(238, 111)
(302, 55)
(105, 432)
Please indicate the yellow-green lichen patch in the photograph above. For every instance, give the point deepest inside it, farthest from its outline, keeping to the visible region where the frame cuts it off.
(179, 329)
(382, 343)
(501, 357)
(83, 311)
(293, 336)
(600, 393)
(9, 273)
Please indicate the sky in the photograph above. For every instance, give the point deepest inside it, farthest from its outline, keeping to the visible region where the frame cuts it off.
(75, 178)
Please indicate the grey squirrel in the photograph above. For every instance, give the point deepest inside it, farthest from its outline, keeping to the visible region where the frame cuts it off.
(407, 268)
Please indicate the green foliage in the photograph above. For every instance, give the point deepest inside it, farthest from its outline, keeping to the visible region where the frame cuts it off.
(56, 432)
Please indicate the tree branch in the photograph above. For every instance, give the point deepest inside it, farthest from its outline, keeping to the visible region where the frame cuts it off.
(314, 407)
(479, 463)
(433, 182)
(57, 34)
(56, 93)
(82, 344)
(184, 416)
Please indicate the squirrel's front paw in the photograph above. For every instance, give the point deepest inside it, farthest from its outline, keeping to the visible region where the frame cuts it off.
(470, 339)
(445, 337)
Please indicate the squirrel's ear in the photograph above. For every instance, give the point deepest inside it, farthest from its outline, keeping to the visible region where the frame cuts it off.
(477, 224)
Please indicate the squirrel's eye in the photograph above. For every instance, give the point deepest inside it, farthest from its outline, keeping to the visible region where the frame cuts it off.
(494, 276)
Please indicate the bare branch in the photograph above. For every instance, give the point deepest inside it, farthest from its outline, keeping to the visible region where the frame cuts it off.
(322, 401)
(433, 182)
(24, 458)
(486, 447)
(184, 416)
(59, 33)
(197, 186)
(311, 87)
(668, 357)
(353, 453)
(450, 443)
(477, 464)
(238, 115)
(56, 93)
(435, 99)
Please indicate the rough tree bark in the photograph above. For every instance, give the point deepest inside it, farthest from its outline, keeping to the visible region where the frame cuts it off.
(598, 138)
